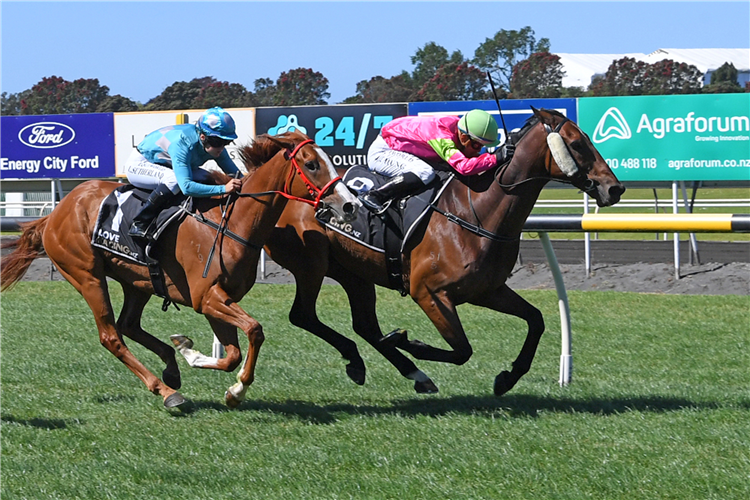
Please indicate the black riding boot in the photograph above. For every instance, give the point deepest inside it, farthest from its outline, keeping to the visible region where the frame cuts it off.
(158, 199)
(398, 187)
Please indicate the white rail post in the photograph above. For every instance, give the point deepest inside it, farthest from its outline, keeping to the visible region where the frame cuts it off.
(566, 356)
(586, 238)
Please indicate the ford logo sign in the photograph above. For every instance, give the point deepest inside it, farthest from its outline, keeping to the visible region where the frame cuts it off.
(46, 135)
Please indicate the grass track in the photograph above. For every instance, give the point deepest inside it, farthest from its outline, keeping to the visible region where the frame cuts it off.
(659, 407)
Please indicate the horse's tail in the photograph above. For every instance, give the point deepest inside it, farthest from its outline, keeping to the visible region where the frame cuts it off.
(27, 248)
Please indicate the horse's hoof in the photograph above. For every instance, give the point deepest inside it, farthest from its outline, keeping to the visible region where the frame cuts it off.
(181, 341)
(230, 400)
(356, 373)
(174, 400)
(426, 387)
(173, 381)
(503, 383)
(397, 338)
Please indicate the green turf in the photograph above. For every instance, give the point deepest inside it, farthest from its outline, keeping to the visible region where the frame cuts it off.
(658, 408)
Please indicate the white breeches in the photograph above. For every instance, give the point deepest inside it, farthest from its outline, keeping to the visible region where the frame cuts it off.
(146, 175)
(384, 160)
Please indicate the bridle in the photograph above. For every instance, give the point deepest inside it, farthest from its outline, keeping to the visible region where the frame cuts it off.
(315, 192)
(588, 183)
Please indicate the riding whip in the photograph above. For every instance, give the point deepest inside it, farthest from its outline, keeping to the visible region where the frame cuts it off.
(497, 101)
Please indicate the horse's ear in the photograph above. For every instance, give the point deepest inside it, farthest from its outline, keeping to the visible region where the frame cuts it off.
(536, 111)
(282, 142)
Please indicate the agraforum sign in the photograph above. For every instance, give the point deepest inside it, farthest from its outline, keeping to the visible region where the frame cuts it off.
(671, 138)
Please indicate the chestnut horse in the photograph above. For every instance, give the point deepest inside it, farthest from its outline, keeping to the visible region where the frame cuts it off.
(450, 264)
(283, 167)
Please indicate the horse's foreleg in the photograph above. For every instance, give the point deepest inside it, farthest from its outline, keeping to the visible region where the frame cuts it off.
(129, 324)
(220, 308)
(507, 301)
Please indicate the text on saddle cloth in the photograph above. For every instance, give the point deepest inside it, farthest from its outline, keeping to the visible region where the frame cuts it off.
(116, 214)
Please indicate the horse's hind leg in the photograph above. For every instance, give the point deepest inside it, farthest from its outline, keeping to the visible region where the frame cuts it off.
(129, 324)
(507, 301)
(93, 287)
(362, 299)
(304, 315)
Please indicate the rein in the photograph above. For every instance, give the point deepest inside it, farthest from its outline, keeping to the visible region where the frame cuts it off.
(477, 228)
(316, 193)
(221, 227)
(501, 170)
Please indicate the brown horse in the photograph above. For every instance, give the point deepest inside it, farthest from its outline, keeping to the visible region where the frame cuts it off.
(450, 264)
(285, 166)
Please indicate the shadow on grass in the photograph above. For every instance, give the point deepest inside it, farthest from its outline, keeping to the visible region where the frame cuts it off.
(39, 423)
(513, 406)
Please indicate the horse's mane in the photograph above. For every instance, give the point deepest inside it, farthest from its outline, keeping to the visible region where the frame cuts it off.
(530, 122)
(253, 155)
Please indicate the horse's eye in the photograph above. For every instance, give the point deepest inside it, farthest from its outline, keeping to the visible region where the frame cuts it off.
(312, 165)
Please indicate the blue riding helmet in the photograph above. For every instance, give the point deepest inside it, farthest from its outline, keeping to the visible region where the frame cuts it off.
(216, 122)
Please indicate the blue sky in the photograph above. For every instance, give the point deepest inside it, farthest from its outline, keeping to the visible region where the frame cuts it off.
(139, 48)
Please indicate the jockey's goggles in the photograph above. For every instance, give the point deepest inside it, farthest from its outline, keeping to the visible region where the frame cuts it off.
(216, 142)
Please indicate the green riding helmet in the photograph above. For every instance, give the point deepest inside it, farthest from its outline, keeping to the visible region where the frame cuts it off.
(480, 126)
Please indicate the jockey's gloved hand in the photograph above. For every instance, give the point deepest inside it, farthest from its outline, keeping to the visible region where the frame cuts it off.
(504, 153)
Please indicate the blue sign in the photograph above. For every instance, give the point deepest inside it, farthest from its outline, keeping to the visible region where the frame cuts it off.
(515, 111)
(57, 146)
(345, 132)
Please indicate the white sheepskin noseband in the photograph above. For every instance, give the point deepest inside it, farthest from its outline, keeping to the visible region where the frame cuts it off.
(561, 154)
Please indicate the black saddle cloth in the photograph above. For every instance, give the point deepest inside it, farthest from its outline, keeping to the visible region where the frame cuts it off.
(116, 215)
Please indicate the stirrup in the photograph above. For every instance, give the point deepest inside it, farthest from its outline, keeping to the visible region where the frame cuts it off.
(373, 206)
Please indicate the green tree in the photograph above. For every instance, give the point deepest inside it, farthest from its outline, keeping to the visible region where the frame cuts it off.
(179, 95)
(300, 87)
(399, 88)
(11, 104)
(429, 59)
(263, 92)
(454, 82)
(117, 104)
(539, 76)
(224, 94)
(723, 80)
(501, 53)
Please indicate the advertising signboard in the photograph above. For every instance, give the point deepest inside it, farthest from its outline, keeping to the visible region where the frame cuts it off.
(131, 128)
(703, 137)
(515, 112)
(57, 146)
(345, 132)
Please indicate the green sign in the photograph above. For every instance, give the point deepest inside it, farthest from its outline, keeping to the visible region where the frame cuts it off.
(671, 138)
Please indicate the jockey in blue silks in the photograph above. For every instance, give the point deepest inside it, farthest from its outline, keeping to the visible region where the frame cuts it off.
(169, 161)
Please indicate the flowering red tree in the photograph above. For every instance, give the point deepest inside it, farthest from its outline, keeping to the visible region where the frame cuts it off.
(539, 76)
(55, 95)
(301, 86)
(454, 82)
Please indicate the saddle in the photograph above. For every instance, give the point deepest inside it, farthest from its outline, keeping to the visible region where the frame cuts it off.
(389, 232)
(116, 215)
